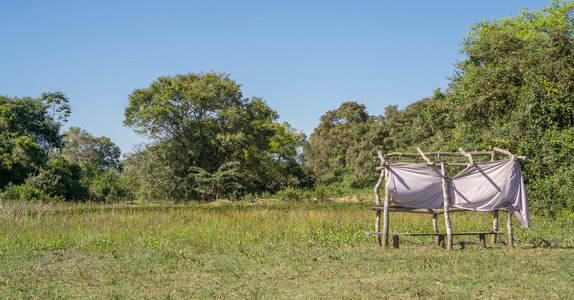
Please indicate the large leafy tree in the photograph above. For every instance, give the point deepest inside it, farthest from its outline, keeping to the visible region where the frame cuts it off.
(343, 143)
(26, 134)
(202, 122)
(515, 89)
(29, 130)
(28, 117)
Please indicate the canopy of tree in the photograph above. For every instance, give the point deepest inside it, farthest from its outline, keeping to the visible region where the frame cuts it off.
(205, 131)
(342, 145)
(96, 153)
(26, 134)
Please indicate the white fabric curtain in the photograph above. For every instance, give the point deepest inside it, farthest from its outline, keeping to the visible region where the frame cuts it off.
(483, 186)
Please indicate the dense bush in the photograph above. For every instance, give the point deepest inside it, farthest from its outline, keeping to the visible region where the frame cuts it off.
(25, 192)
(110, 186)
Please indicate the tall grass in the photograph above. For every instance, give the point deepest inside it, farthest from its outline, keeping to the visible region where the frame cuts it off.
(266, 250)
(223, 228)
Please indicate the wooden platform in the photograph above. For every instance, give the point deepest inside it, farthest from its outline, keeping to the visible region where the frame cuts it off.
(434, 234)
(440, 236)
(436, 211)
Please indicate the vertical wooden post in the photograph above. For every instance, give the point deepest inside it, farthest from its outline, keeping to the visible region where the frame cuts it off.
(378, 201)
(378, 228)
(435, 228)
(494, 226)
(446, 205)
(378, 197)
(396, 242)
(509, 227)
(494, 213)
(386, 216)
(482, 239)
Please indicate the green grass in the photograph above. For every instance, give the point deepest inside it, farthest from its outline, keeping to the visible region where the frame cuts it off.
(267, 250)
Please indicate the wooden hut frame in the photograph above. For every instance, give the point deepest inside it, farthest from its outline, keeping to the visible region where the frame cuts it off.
(385, 207)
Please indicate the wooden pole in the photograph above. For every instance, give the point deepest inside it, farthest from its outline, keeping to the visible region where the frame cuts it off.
(509, 227)
(494, 213)
(435, 227)
(482, 239)
(396, 242)
(468, 155)
(494, 226)
(378, 201)
(378, 198)
(424, 156)
(386, 217)
(446, 205)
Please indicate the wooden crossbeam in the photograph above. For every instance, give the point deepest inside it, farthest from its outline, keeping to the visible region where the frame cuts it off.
(434, 234)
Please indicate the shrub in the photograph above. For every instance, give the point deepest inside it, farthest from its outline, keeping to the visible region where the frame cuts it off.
(25, 192)
(109, 186)
(292, 194)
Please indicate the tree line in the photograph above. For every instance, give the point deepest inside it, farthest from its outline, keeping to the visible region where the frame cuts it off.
(514, 89)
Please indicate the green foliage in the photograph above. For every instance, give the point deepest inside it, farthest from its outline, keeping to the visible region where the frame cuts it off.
(200, 124)
(26, 135)
(150, 171)
(291, 194)
(514, 90)
(109, 186)
(28, 117)
(26, 192)
(219, 183)
(341, 147)
(20, 156)
(96, 154)
(58, 106)
(59, 178)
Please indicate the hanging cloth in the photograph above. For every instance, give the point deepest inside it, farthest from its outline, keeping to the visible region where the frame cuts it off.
(415, 186)
(489, 186)
(480, 187)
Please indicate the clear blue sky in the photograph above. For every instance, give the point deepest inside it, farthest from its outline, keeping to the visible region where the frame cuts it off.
(302, 57)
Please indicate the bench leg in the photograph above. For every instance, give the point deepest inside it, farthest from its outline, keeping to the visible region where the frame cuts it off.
(509, 228)
(440, 240)
(494, 226)
(396, 242)
(435, 227)
(482, 238)
(378, 229)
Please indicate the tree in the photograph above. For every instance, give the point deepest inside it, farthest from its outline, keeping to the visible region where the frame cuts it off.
(59, 110)
(59, 177)
(515, 90)
(343, 144)
(201, 121)
(58, 106)
(28, 117)
(96, 153)
(330, 140)
(26, 134)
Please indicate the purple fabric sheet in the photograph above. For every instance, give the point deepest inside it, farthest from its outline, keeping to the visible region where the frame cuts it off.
(480, 187)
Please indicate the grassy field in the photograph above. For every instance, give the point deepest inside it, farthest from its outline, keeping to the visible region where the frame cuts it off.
(267, 250)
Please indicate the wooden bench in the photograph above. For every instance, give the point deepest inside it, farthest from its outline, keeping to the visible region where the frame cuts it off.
(440, 236)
